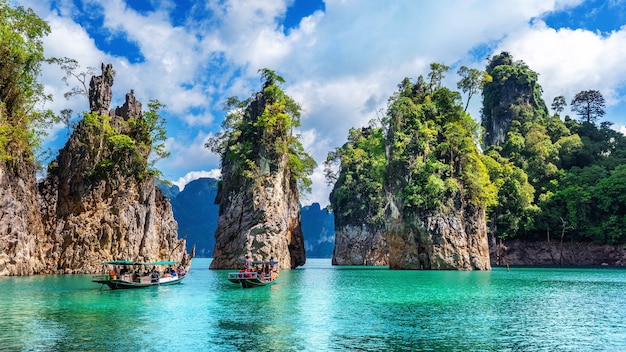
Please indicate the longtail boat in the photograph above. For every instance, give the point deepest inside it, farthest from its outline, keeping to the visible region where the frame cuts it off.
(261, 274)
(124, 274)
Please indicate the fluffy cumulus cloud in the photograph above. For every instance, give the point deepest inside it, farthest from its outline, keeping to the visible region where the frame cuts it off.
(341, 63)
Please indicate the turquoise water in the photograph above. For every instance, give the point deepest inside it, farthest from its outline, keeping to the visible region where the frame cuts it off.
(323, 308)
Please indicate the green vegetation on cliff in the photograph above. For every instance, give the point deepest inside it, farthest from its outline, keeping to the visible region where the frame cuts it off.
(539, 174)
(258, 131)
(125, 143)
(573, 166)
(358, 193)
(424, 155)
(21, 55)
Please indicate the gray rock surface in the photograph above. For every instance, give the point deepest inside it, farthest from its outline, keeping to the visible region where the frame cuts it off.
(261, 220)
(96, 203)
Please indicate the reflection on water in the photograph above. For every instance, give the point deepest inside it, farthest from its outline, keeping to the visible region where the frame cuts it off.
(320, 307)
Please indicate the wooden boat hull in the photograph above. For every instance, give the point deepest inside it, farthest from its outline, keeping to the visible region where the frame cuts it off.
(126, 280)
(123, 284)
(250, 279)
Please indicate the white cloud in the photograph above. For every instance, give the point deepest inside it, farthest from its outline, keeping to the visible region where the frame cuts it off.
(341, 65)
(194, 175)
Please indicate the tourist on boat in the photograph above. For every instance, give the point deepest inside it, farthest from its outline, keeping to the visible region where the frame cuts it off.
(248, 262)
(154, 275)
(113, 273)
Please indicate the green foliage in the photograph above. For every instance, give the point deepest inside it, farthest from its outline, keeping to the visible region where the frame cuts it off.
(425, 153)
(472, 81)
(574, 167)
(358, 171)
(126, 147)
(589, 105)
(512, 95)
(253, 144)
(21, 53)
(433, 152)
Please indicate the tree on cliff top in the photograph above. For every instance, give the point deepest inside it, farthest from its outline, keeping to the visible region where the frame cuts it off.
(259, 130)
(21, 55)
(589, 105)
(433, 156)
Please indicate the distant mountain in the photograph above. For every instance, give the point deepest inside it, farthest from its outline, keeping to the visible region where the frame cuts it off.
(318, 226)
(196, 214)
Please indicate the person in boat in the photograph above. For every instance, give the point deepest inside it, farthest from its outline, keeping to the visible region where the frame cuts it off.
(113, 273)
(248, 263)
(180, 270)
(154, 275)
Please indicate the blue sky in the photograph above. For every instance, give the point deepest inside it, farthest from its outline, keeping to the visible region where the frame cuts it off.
(341, 59)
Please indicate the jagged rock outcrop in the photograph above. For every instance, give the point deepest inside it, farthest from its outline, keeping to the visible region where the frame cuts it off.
(514, 94)
(453, 240)
(359, 245)
(259, 217)
(98, 202)
(21, 229)
(412, 193)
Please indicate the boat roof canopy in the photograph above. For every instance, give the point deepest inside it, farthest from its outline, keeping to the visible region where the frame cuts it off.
(129, 262)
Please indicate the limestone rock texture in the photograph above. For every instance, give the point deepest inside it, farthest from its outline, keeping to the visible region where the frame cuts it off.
(259, 219)
(21, 229)
(360, 245)
(96, 203)
(456, 240)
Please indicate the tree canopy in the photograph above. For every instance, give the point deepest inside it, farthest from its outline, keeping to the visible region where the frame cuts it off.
(22, 121)
(589, 105)
(260, 130)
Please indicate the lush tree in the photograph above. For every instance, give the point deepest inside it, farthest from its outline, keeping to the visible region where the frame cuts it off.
(22, 122)
(256, 132)
(436, 75)
(513, 213)
(589, 105)
(357, 170)
(558, 104)
(472, 81)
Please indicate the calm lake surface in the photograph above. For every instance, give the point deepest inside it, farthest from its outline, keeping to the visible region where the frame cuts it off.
(319, 308)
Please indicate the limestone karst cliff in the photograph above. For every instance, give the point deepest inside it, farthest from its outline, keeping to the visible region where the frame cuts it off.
(258, 197)
(21, 229)
(412, 193)
(98, 201)
(513, 94)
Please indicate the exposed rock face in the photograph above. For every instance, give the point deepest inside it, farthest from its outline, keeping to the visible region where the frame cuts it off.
(21, 229)
(515, 252)
(97, 204)
(358, 245)
(100, 92)
(456, 240)
(260, 220)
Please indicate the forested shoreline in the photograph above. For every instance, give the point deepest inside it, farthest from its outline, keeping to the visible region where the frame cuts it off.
(541, 176)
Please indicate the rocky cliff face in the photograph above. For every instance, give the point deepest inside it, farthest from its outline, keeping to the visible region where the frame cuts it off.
(260, 219)
(514, 94)
(516, 252)
(97, 202)
(21, 229)
(359, 245)
(453, 240)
